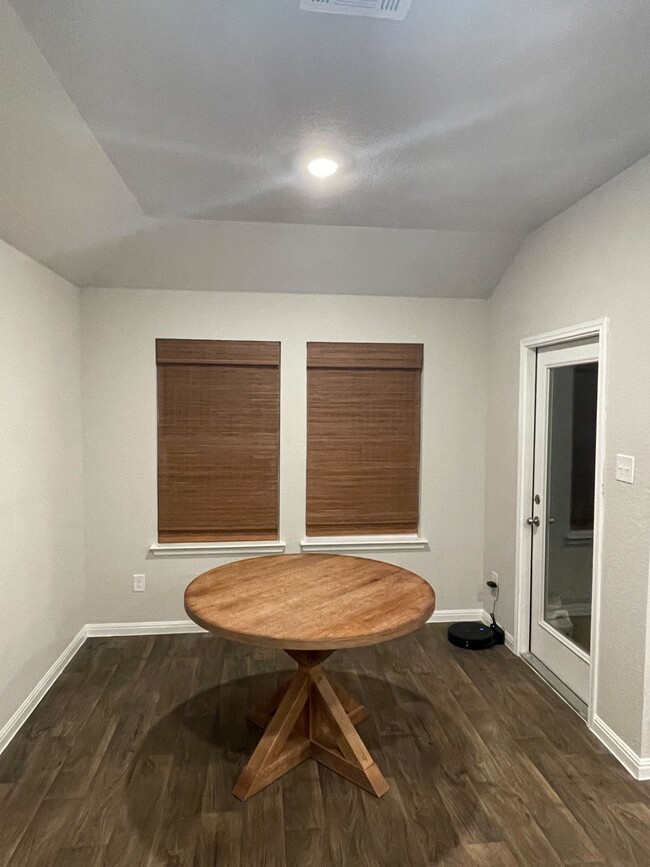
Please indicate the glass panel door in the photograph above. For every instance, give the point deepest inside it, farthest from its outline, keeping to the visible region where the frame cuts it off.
(562, 519)
(571, 464)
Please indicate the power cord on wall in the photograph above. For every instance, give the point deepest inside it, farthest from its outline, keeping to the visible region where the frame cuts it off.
(493, 586)
(499, 634)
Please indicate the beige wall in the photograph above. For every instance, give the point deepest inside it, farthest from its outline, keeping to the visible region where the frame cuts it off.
(119, 396)
(591, 261)
(42, 588)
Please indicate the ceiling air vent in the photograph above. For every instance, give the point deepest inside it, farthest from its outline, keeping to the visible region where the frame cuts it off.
(395, 9)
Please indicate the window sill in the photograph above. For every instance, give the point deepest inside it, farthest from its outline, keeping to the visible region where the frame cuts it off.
(198, 549)
(364, 543)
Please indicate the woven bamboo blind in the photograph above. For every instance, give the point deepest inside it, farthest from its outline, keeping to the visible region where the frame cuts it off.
(363, 438)
(218, 440)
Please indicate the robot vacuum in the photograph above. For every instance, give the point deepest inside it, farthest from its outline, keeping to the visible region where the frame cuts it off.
(474, 635)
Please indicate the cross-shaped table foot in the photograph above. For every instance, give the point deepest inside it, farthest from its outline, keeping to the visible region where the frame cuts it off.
(310, 716)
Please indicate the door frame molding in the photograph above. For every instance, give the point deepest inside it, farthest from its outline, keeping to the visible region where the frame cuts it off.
(527, 366)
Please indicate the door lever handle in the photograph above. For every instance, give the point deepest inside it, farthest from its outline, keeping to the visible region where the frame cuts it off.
(534, 522)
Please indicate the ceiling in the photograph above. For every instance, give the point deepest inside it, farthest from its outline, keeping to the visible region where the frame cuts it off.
(138, 133)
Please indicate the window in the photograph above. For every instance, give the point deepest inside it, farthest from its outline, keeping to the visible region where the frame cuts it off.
(363, 438)
(218, 440)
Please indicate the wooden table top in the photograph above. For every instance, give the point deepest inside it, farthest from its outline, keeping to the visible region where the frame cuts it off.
(309, 601)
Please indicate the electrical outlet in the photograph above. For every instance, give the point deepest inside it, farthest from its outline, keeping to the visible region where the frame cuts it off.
(494, 576)
(138, 584)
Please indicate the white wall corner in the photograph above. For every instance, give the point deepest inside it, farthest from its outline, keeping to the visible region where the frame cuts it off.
(637, 766)
(509, 638)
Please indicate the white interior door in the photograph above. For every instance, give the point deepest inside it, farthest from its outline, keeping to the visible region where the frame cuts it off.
(562, 512)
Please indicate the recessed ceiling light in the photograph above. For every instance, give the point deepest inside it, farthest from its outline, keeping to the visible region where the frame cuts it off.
(322, 167)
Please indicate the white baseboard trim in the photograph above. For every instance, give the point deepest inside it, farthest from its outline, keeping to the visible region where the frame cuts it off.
(168, 627)
(638, 767)
(451, 615)
(142, 627)
(10, 728)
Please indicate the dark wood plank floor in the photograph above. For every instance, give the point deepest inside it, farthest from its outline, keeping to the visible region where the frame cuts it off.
(130, 758)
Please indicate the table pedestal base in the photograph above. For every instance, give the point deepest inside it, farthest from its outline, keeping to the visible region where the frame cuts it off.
(310, 716)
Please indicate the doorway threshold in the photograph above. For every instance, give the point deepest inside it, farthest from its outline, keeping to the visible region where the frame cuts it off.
(575, 703)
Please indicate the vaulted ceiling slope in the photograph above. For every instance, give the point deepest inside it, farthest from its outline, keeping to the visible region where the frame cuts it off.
(160, 144)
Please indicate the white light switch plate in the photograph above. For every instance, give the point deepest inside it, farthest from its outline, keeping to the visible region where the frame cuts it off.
(138, 583)
(625, 469)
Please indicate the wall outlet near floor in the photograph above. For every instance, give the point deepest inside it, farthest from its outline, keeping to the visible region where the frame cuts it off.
(138, 584)
(494, 576)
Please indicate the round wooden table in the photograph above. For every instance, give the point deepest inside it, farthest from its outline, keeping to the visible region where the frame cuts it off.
(309, 605)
